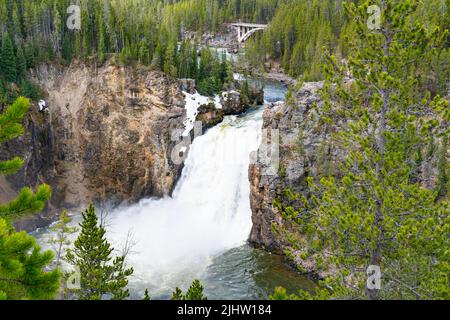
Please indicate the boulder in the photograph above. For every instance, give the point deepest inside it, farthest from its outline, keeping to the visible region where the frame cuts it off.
(231, 103)
(187, 85)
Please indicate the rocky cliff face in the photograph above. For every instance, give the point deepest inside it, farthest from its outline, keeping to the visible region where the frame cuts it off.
(36, 147)
(293, 123)
(107, 135)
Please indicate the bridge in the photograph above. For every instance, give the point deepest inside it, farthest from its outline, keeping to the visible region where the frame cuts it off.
(246, 30)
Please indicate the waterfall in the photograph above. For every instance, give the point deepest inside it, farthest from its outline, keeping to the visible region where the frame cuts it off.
(201, 231)
(176, 238)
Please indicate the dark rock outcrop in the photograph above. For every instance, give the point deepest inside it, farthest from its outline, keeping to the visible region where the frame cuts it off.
(187, 85)
(209, 116)
(236, 102)
(255, 95)
(232, 103)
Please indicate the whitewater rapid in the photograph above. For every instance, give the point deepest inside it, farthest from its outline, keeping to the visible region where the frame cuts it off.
(175, 239)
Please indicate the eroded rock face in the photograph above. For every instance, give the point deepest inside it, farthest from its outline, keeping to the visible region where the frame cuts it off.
(36, 148)
(107, 136)
(294, 125)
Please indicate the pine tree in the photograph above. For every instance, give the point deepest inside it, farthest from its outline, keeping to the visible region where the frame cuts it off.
(77, 46)
(372, 215)
(62, 230)
(29, 56)
(443, 170)
(22, 263)
(20, 12)
(206, 63)
(226, 74)
(29, 90)
(147, 295)
(56, 36)
(184, 60)
(101, 52)
(10, 16)
(101, 275)
(244, 90)
(169, 61)
(193, 69)
(144, 53)
(3, 93)
(177, 295)
(60, 241)
(21, 64)
(8, 59)
(85, 46)
(66, 53)
(195, 292)
(22, 266)
(10, 127)
(157, 60)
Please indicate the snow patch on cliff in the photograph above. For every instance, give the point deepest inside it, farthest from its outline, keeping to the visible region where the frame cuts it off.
(193, 103)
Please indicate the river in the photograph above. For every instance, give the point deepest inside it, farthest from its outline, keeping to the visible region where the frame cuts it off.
(201, 232)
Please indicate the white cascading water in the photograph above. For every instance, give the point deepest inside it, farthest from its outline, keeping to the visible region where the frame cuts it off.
(176, 238)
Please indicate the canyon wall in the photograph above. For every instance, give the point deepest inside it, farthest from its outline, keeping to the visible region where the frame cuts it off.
(107, 136)
(292, 123)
